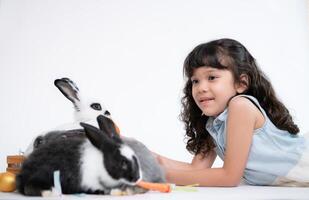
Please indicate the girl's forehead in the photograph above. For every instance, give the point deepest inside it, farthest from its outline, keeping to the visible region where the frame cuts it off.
(204, 69)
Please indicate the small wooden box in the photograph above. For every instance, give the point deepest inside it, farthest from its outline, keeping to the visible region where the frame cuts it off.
(14, 163)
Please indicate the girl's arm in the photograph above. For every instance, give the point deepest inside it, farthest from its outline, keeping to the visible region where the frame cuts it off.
(242, 120)
(198, 162)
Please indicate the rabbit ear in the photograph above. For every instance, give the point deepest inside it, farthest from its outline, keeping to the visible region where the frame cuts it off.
(68, 88)
(97, 138)
(107, 125)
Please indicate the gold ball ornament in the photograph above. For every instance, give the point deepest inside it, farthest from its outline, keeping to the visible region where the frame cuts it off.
(7, 182)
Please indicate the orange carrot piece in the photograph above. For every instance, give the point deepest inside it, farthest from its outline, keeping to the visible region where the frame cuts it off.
(161, 187)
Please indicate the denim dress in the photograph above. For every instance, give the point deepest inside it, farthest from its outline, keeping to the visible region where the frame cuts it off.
(276, 157)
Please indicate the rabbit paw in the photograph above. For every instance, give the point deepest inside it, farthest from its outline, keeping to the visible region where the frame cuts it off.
(118, 192)
(136, 190)
(127, 190)
(50, 193)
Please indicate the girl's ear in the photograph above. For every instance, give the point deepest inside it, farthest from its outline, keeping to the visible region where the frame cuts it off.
(243, 84)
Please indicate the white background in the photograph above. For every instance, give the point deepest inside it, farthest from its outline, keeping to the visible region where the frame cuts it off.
(129, 54)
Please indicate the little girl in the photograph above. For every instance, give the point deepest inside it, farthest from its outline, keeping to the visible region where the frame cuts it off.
(230, 109)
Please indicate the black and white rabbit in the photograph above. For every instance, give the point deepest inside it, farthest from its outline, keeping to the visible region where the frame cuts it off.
(84, 111)
(87, 111)
(93, 163)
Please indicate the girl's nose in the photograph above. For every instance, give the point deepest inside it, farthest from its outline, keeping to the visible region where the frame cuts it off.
(203, 87)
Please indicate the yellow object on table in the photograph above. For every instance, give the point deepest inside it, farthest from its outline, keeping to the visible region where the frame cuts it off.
(7, 182)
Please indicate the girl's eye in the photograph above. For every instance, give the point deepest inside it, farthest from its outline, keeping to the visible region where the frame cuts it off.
(211, 78)
(194, 81)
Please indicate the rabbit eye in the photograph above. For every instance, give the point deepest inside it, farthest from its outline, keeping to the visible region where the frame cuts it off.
(124, 165)
(38, 141)
(96, 106)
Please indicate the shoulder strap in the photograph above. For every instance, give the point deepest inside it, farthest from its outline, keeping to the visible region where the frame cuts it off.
(254, 101)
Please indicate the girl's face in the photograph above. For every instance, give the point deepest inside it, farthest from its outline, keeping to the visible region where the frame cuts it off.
(212, 89)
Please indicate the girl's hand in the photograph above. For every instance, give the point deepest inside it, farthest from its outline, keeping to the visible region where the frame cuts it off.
(161, 160)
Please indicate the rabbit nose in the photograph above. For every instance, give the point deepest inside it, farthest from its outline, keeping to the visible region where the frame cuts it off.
(135, 175)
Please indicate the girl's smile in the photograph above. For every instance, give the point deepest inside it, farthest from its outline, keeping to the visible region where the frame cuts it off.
(205, 101)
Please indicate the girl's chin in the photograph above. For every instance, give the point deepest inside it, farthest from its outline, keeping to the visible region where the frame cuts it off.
(211, 113)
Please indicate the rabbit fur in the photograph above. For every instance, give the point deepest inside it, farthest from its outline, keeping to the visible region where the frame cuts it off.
(88, 112)
(92, 162)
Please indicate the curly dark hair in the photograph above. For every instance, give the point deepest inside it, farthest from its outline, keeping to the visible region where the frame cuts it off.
(231, 55)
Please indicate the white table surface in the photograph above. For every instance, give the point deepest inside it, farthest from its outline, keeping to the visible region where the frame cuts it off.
(205, 193)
